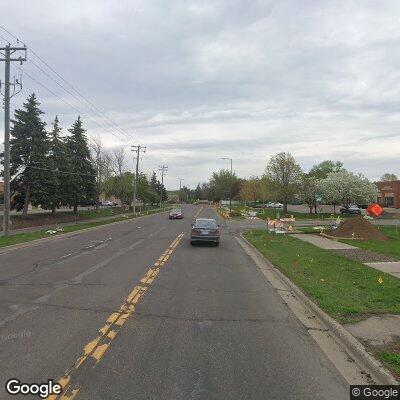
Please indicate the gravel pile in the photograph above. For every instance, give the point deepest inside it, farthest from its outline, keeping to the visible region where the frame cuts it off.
(364, 256)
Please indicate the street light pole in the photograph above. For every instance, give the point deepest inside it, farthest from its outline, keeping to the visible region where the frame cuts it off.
(230, 189)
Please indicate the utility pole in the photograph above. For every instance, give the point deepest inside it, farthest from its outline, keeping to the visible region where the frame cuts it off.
(163, 169)
(137, 149)
(230, 189)
(8, 51)
(180, 188)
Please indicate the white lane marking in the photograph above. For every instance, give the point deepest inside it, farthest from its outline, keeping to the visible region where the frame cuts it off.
(23, 309)
(156, 232)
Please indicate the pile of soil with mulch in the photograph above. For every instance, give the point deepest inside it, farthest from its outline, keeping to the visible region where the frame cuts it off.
(358, 228)
(364, 256)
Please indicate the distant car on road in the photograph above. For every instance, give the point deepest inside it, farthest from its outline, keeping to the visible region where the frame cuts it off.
(296, 202)
(271, 204)
(352, 209)
(107, 203)
(176, 213)
(205, 230)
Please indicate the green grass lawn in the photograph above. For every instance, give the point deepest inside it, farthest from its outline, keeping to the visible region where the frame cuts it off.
(345, 289)
(310, 229)
(392, 359)
(391, 247)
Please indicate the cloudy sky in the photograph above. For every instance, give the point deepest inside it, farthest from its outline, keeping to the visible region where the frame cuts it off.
(197, 81)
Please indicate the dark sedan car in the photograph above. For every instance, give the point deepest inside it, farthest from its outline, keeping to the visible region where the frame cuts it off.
(205, 230)
(352, 209)
(176, 213)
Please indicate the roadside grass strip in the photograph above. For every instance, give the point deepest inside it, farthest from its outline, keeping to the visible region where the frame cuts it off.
(391, 359)
(390, 247)
(347, 290)
(94, 350)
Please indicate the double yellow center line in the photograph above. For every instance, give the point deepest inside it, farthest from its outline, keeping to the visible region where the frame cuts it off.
(96, 348)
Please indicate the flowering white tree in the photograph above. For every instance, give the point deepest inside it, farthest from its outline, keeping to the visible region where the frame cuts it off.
(347, 188)
(310, 189)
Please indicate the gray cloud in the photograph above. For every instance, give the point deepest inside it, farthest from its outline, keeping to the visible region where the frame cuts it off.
(196, 81)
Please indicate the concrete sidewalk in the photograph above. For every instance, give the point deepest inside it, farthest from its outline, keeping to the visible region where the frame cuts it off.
(392, 268)
(389, 267)
(322, 242)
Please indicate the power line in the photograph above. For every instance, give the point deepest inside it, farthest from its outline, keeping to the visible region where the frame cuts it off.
(97, 111)
(68, 83)
(7, 41)
(121, 134)
(66, 102)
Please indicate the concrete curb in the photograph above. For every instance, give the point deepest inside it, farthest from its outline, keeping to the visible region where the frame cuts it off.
(30, 243)
(345, 339)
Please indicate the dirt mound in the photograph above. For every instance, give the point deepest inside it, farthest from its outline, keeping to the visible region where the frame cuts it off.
(361, 228)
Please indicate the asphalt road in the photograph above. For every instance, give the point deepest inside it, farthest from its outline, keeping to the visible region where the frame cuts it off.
(132, 311)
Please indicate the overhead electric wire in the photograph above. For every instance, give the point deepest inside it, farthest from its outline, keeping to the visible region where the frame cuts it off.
(71, 94)
(6, 40)
(60, 98)
(97, 111)
(64, 101)
(77, 98)
(93, 110)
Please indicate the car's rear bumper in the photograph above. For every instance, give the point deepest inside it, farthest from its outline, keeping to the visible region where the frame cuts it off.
(174, 217)
(204, 238)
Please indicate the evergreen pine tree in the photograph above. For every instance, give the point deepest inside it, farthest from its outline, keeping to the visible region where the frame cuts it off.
(80, 183)
(156, 185)
(29, 156)
(153, 181)
(58, 162)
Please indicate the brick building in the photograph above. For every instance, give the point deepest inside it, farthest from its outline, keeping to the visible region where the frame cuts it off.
(389, 194)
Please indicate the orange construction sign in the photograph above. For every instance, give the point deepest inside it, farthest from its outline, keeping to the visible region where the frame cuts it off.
(375, 210)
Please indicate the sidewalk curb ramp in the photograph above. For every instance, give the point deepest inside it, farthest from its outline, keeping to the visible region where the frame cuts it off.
(345, 339)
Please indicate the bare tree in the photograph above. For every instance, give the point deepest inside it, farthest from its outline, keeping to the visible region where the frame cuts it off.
(285, 174)
(119, 160)
(102, 162)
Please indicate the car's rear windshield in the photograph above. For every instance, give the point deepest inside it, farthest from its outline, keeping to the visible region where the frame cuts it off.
(205, 224)
(176, 210)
